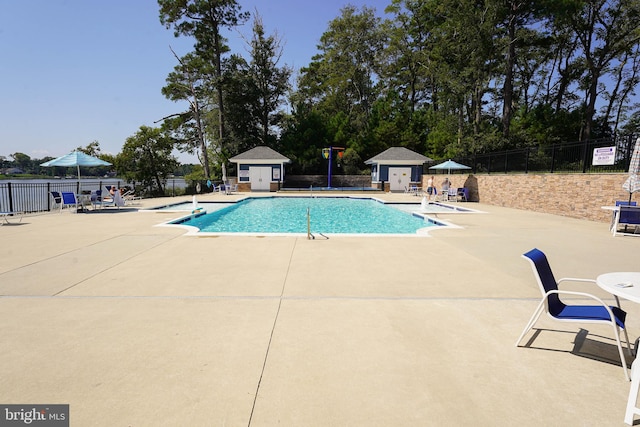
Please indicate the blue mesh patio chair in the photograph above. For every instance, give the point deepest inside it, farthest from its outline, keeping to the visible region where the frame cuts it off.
(614, 214)
(628, 216)
(70, 199)
(558, 310)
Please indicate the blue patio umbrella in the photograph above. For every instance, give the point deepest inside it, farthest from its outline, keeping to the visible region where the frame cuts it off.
(450, 165)
(77, 159)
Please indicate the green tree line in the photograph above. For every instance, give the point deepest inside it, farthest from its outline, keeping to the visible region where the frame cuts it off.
(445, 78)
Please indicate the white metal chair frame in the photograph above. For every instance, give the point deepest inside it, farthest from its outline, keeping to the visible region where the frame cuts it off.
(72, 199)
(631, 221)
(543, 307)
(130, 197)
(56, 201)
(5, 216)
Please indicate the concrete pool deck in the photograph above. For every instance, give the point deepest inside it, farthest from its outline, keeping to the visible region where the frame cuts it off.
(137, 325)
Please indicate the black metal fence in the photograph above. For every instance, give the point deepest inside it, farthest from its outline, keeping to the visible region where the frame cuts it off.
(36, 196)
(575, 157)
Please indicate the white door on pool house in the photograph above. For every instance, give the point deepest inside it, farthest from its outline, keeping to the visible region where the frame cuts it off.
(260, 178)
(399, 178)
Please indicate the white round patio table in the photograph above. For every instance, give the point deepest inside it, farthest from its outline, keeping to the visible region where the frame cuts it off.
(624, 285)
(621, 284)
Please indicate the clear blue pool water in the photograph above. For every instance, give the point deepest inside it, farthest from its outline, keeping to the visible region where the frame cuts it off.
(328, 215)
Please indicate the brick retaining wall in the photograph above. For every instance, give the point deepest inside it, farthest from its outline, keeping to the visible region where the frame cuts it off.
(573, 195)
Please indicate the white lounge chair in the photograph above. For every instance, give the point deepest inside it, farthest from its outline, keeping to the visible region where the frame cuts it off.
(5, 216)
(97, 200)
(130, 197)
(115, 199)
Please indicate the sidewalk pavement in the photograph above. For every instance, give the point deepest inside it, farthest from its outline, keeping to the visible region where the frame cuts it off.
(137, 325)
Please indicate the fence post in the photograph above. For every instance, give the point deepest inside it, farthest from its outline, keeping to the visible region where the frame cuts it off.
(585, 156)
(10, 197)
(553, 157)
(526, 160)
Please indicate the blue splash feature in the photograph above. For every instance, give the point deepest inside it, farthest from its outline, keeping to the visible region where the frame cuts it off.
(328, 215)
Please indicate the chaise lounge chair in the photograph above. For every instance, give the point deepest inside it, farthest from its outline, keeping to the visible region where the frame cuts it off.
(5, 216)
(130, 197)
(112, 200)
(97, 200)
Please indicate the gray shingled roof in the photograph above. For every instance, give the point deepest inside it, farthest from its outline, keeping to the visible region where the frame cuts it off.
(398, 154)
(260, 153)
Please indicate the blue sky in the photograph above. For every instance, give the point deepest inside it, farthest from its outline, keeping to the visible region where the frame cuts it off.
(77, 71)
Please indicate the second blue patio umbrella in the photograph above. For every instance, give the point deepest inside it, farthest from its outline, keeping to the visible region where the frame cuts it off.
(450, 165)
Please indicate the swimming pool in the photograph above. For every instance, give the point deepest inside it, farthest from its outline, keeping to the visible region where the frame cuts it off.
(327, 215)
